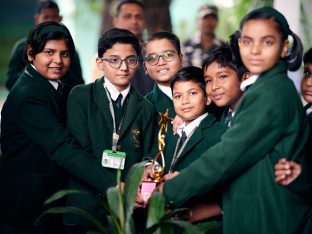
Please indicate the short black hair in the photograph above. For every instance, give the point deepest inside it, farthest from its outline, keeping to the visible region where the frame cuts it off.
(307, 58)
(42, 33)
(224, 56)
(164, 35)
(140, 4)
(117, 35)
(190, 73)
(46, 4)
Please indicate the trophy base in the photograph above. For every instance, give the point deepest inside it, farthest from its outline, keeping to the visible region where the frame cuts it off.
(147, 188)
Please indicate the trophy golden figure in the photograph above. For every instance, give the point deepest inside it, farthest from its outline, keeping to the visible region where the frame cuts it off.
(158, 169)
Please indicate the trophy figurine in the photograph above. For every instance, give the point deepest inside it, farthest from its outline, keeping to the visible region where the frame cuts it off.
(158, 169)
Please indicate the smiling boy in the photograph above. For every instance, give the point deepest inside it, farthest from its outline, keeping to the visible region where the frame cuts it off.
(109, 118)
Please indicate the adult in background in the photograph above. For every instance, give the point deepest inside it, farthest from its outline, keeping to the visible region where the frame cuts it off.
(195, 49)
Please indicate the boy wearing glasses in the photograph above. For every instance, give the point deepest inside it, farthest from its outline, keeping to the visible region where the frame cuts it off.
(162, 60)
(109, 119)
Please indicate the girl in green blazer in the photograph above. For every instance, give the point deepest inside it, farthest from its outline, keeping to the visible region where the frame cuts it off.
(35, 144)
(269, 123)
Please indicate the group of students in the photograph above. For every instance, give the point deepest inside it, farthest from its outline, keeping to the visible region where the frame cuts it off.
(225, 166)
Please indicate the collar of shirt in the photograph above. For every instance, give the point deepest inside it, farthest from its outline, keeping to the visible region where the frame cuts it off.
(54, 83)
(251, 80)
(166, 90)
(231, 111)
(114, 93)
(309, 110)
(191, 126)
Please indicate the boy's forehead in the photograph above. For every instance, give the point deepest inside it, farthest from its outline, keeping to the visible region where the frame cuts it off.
(159, 45)
(182, 85)
(121, 48)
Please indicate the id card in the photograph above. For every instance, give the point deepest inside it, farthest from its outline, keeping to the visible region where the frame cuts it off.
(114, 160)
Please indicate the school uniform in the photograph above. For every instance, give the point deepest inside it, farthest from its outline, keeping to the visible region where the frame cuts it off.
(34, 141)
(90, 121)
(204, 134)
(269, 123)
(162, 102)
(17, 66)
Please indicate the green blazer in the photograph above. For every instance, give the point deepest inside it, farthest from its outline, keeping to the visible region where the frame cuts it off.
(269, 124)
(36, 146)
(17, 66)
(90, 121)
(207, 134)
(161, 103)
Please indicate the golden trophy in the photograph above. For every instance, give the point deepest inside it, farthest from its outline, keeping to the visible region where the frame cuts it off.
(158, 169)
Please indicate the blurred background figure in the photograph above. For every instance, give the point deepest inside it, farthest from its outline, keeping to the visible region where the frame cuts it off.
(196, 48)
(47, 10)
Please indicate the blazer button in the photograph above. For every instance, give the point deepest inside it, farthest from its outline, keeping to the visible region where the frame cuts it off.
(119, 147)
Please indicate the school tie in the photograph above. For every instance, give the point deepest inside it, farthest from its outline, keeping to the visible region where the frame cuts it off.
(228, 119)
(60, 88)
(182, 140)
(118, 101)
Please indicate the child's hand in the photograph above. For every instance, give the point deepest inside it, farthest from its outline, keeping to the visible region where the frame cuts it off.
(176, 123)
(286, 172)
(169, 176)
(139, 202)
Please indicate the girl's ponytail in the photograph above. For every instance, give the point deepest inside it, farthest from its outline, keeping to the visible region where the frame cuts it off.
(294, 54)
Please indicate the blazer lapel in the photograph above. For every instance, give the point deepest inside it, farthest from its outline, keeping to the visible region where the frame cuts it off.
(197, 136)
(133, 105)
(101, 100)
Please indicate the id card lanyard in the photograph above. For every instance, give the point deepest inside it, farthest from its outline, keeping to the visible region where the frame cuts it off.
(116, 134)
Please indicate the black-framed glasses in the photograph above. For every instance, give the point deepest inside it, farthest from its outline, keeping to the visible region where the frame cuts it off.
(115, 62)
(153, 59)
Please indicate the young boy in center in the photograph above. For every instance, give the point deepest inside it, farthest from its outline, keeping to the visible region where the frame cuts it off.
(199, 131)
(109, 119)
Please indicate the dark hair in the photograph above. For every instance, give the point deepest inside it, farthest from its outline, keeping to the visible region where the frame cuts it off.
(44, 32)
(224, 56)
(307, 58)
(294, 55)
(46, 4)
(190, 73)
(163, 35)
(117, 35)
(128, 2)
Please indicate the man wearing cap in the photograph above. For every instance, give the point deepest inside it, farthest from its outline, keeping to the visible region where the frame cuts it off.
(196, 48)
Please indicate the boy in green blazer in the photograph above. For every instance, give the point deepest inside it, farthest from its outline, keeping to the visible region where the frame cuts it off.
(109, 119)
(163, 59)
(199, 130)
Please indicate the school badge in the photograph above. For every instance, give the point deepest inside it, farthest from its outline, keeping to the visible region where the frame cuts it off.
(135, 137)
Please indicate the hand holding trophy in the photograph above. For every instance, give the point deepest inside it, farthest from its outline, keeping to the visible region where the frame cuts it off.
(158, 169)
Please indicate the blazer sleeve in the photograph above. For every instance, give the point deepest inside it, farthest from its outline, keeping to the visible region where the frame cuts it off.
(77, 117)
(240, 147)
(37, 118)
